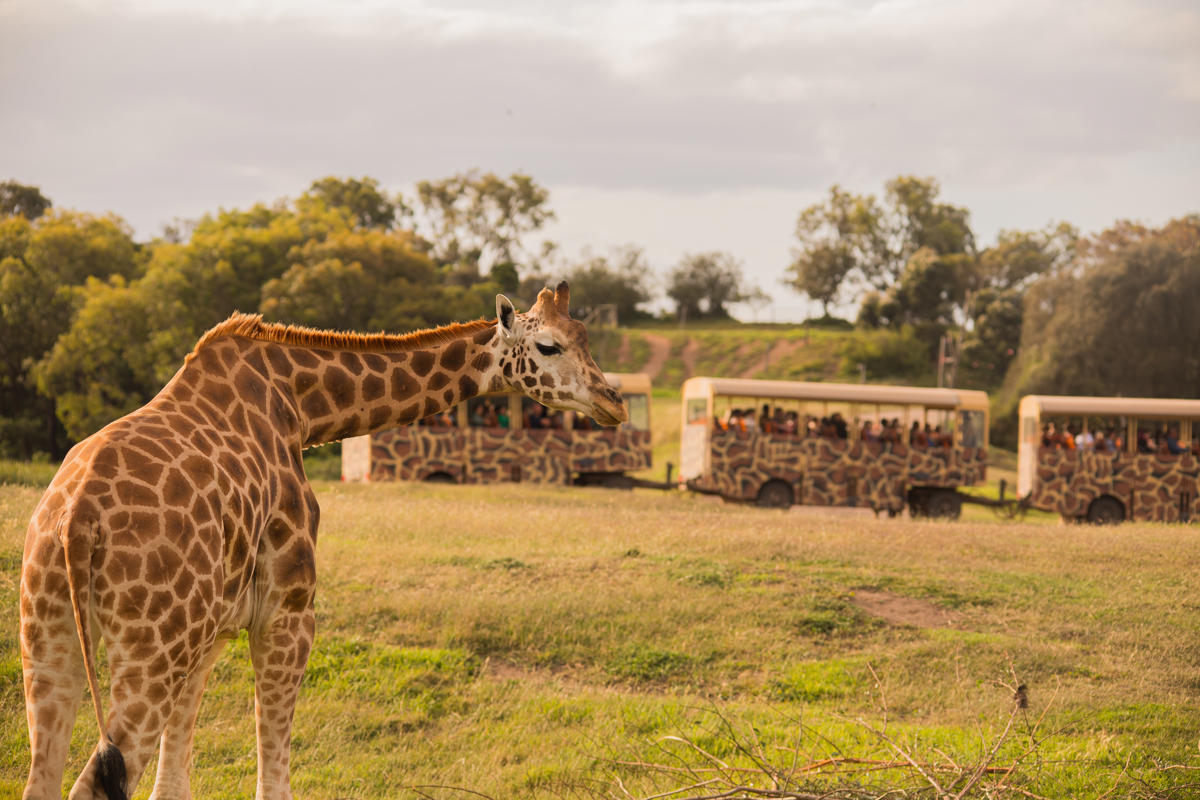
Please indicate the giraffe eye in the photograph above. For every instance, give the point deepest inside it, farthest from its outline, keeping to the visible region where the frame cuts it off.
(548, 349)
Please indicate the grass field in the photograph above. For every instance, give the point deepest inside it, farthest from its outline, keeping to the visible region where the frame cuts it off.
(517, 641)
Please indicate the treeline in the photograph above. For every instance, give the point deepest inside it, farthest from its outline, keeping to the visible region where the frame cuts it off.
(93, 323)
(1049, 311)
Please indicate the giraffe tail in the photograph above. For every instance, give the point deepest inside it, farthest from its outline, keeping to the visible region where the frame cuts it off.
(78, 537)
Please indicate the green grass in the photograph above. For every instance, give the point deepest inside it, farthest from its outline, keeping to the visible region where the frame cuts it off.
(519, 642)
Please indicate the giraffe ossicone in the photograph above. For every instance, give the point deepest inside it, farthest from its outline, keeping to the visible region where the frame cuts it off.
(190, 519)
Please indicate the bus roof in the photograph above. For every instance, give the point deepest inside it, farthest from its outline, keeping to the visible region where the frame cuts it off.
(838, 392)
(629, 382)
(1147, 407)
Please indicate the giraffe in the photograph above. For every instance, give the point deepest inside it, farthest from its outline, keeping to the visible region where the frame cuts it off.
(191, 518)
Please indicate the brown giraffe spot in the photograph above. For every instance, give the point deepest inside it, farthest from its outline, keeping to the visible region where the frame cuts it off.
(305, 381)
(374, 363)
(449, 396)
(249, 383)
(431, 407)
(160, 601)
(352, 363)
(484, 336)
(135, 494)
(547, 380)
(467, 387)
(403, 386)
(422, 362)
(409, 415)
(373, 388)
(305, 358)
(315, 405)
(378, 417)
(481, 361)
(221, 394)
(340, 387)
(184, 581)
(508, 369)
(530, 381)
(437, 381)
(145, 525)
(455, 355)
(280, 363)
(255, 359)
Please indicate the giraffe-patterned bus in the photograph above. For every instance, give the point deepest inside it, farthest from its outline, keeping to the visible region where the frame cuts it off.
(510, 438)
(780, 443)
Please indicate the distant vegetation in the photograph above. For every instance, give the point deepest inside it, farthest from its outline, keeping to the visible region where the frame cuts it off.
(93, 323)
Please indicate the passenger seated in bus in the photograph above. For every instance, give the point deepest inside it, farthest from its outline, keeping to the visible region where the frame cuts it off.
(791, 423)
(502, 415)
(1144, 443)
(475, 417)
(1085, 441)
(749, 423)
(812, 428)
(868, 432)
(1171, 442)
(490, 417)
(840, 429)
(765, 421)
(1049, 436)
(917, 437)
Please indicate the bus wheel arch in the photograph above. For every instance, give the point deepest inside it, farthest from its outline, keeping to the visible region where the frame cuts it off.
(775, 493)
(439, 477)
(1106, 510)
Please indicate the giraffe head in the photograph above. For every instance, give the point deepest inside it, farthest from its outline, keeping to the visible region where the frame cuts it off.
(544, 355)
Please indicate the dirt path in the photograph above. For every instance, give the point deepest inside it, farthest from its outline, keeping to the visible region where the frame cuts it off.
(623, 351)
(660, 350)
(780, 349)
(688, 356)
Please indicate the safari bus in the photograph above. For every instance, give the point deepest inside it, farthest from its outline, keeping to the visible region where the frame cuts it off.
(508, 437)
(1110, 459)
(779, 443)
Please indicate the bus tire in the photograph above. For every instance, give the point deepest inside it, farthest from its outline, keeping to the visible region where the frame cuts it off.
(944, 505)
(1106, 510)
(439, 477)
(775, 494)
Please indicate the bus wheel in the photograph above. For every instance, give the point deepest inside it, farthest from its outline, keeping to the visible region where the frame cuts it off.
(439, 477)
(775, 494)
(944, 505)
(1106, 511)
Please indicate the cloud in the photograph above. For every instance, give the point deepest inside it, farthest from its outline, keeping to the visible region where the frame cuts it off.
(156, 110)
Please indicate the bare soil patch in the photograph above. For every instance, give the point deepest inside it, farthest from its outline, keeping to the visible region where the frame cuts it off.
(660, 350)
(691, 351)
(779, 350)
(899, 610)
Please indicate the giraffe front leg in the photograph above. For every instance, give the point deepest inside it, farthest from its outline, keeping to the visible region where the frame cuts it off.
(173, 778)
(279, 654)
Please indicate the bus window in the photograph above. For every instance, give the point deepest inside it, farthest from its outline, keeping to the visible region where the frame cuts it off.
(697, 411)
(535, 416)
(484, 412)
(639, 411)
(971, 424)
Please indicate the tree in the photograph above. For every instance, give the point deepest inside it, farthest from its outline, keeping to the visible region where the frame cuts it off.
(17, 199)
(621, 279)
(856, 238)
(354, 280)
(368, 206)
(703, 284)
(41, 263)
(471, 222)
(1120, 320)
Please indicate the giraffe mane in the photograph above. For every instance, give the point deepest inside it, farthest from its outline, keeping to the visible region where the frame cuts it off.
(251, 326)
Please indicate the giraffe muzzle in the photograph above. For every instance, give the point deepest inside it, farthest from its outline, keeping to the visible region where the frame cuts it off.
(608, 408)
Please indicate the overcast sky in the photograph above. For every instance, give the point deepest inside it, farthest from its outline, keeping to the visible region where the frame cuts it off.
(677, 125)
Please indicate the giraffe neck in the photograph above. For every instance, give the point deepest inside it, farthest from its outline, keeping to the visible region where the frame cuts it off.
(342, 393)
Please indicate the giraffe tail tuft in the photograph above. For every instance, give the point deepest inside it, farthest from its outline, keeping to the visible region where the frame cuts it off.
(110, 770)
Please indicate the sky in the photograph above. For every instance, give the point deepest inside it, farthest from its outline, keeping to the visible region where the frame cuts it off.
(680, 126)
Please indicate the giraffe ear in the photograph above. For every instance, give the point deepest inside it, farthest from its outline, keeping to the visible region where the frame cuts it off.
(506, 319)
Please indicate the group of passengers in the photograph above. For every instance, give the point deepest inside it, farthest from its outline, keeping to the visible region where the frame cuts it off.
(1112, 440)
(834, 426)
